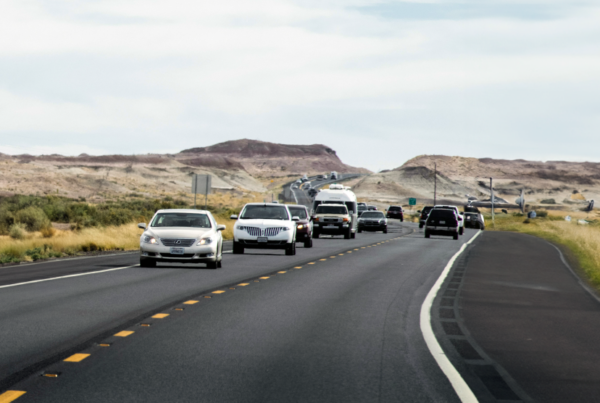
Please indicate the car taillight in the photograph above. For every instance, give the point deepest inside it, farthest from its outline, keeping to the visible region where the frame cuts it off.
(316, 219)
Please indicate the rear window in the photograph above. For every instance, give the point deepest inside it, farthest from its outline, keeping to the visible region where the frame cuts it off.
(372, 214)
(325, 209)
(394, 208)
(443, 214)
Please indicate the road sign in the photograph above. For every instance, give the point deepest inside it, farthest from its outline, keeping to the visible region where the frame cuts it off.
(412, 201)
(201, 184)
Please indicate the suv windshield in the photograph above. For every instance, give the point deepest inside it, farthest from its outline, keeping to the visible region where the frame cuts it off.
(372, 214)
(193, 220)
(325, 209)
(254, 212)
(442, 214)
(298, 212)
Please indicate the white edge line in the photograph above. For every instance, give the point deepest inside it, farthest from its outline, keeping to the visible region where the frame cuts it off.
(458, 383)
(69, 276)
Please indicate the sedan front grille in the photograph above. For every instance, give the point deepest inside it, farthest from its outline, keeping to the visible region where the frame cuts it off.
(183, 242)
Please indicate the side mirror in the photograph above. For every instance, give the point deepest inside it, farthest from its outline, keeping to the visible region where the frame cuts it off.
(221, 228)
(460, 218)
(233, 217)
(142, 225)
(418, 211)
(295, 218)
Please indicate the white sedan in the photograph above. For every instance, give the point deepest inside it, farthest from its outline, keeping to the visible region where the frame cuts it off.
(182, 236)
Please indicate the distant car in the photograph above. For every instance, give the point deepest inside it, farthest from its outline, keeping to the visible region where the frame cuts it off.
(304, 178)
(303, 225)
(424, 213)
(362, 207)
(395, 212)
(181, 236)
(312, 192)
(333, 175)
(332, 219)
(298, 181)
(321, 177)
(461, 226)
(371, 208)
(294, 186)
(372, 221)
(474, 220)
(264, 226)
(442, 222)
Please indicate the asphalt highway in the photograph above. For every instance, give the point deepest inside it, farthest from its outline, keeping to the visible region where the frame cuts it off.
(336, 322)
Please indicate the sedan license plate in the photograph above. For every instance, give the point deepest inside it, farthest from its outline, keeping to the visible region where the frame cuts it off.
(442, 222)
(330, 226)
(262, 239)
(177, 251)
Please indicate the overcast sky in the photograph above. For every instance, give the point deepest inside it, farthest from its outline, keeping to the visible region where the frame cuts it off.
(378, 81)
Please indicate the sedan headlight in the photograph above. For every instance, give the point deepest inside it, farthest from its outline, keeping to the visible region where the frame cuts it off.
(300, 226)
(150, 239)
(382, 222)
(205, 241)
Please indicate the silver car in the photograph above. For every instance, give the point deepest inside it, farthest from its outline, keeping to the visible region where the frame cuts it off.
(182, 236)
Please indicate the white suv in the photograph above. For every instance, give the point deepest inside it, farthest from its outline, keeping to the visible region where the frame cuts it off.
(264, 226)
(459, 216)
(181, 236)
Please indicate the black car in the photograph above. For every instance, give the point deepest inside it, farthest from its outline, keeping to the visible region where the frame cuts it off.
(474, 220)
(395, 212)
(312, 192)
(362, 207)
(441, 222)
(372, 221)
(424, 213)
(371, 208)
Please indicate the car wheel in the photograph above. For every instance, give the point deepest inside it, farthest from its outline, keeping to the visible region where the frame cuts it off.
(290, 250)
(347, 234)
(220, 264)
(147, 263)
(427, 235)
(455, 236)
(420, 225)
(353, 235)
(237, 248)
(212, 265)
(385, 231)
(308, 243)
(315, 234)
(359, 231)
(461, 231)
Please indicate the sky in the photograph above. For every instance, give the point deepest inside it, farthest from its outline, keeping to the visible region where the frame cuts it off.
(380, 82)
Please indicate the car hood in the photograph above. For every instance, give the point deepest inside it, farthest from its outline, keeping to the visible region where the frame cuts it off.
(179, 232)
(265, 223)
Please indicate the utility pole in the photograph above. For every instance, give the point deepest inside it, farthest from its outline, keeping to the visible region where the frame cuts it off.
(492, 198)
(434, 183)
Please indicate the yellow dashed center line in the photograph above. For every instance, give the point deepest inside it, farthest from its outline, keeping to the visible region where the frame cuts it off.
(340, 254)
(298, 267)
(124, 333)
(207, 296)
(312, 263)
(264, 278)
(356, 249)
(218, 292)
(362, 247)
(11, 395)
(322, 260)
(160, 315)
(77, 358)
(51, 375)
(190, 302)
(243, 284)
(145, 324)
(282, 272)
(104, 344)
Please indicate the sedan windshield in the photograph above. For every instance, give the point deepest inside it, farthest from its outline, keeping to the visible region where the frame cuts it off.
(192, 220)
(372, 214)
(261, 212)
(298, 212)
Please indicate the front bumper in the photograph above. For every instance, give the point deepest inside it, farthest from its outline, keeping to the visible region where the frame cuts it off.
(442, 230)
(378, 227)
(192, 254)
(331, 228)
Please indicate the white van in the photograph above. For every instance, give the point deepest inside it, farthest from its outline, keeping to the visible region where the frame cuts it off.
(339, 194)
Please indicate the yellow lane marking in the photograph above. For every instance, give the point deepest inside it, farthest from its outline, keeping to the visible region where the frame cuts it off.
(282, 272)
(77, 358)
(264, 278)
(356, 249)
(207, 296)
(145, 324)
(11, 395)
(256, 281)
(51, 375)
(312, 263)
(160, 315)
(243, 284)
(218, 292)
(340, 254)
(298, 267)
(124, 333)
(323, 260)
(349, 251)
(104, 344)
(190, 302)
(232, 288)
(332, 257)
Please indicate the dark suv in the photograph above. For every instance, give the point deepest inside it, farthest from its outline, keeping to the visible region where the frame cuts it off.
(395, 212)
(442, 222)
(362, 207)
(424, 214)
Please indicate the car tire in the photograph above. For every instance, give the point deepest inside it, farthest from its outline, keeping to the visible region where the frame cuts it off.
(402, 220)
(461, 231)
(308, 243)
(455, 236)
(147, 263)
(237, 248)
(353, 235)
(427, 235)
(220, 263)
(290, 249)
(359, 231)
(385, 231)
(315, 234)
(348, 234)
(420, 225)
(212, 265)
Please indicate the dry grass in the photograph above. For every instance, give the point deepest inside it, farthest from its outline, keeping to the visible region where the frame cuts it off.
(582, 240)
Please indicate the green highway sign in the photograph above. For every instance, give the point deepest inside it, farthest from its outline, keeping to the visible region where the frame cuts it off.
(412, 201)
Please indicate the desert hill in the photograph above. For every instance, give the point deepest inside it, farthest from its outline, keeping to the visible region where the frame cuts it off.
(243, 165)
(564, 182)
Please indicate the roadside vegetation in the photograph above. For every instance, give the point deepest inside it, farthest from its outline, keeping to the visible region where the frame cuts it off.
(34, 228)
(583, 241)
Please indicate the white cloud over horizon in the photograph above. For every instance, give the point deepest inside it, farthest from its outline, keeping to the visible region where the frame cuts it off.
(380, 82)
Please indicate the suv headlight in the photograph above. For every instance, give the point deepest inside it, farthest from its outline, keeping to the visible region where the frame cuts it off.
(240, 227)
(205, 241)
(285, 229)
(150, 239)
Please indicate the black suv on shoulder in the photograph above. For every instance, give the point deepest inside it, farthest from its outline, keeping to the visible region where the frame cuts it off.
(395, 212)
(424, 214)
(441, 222)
